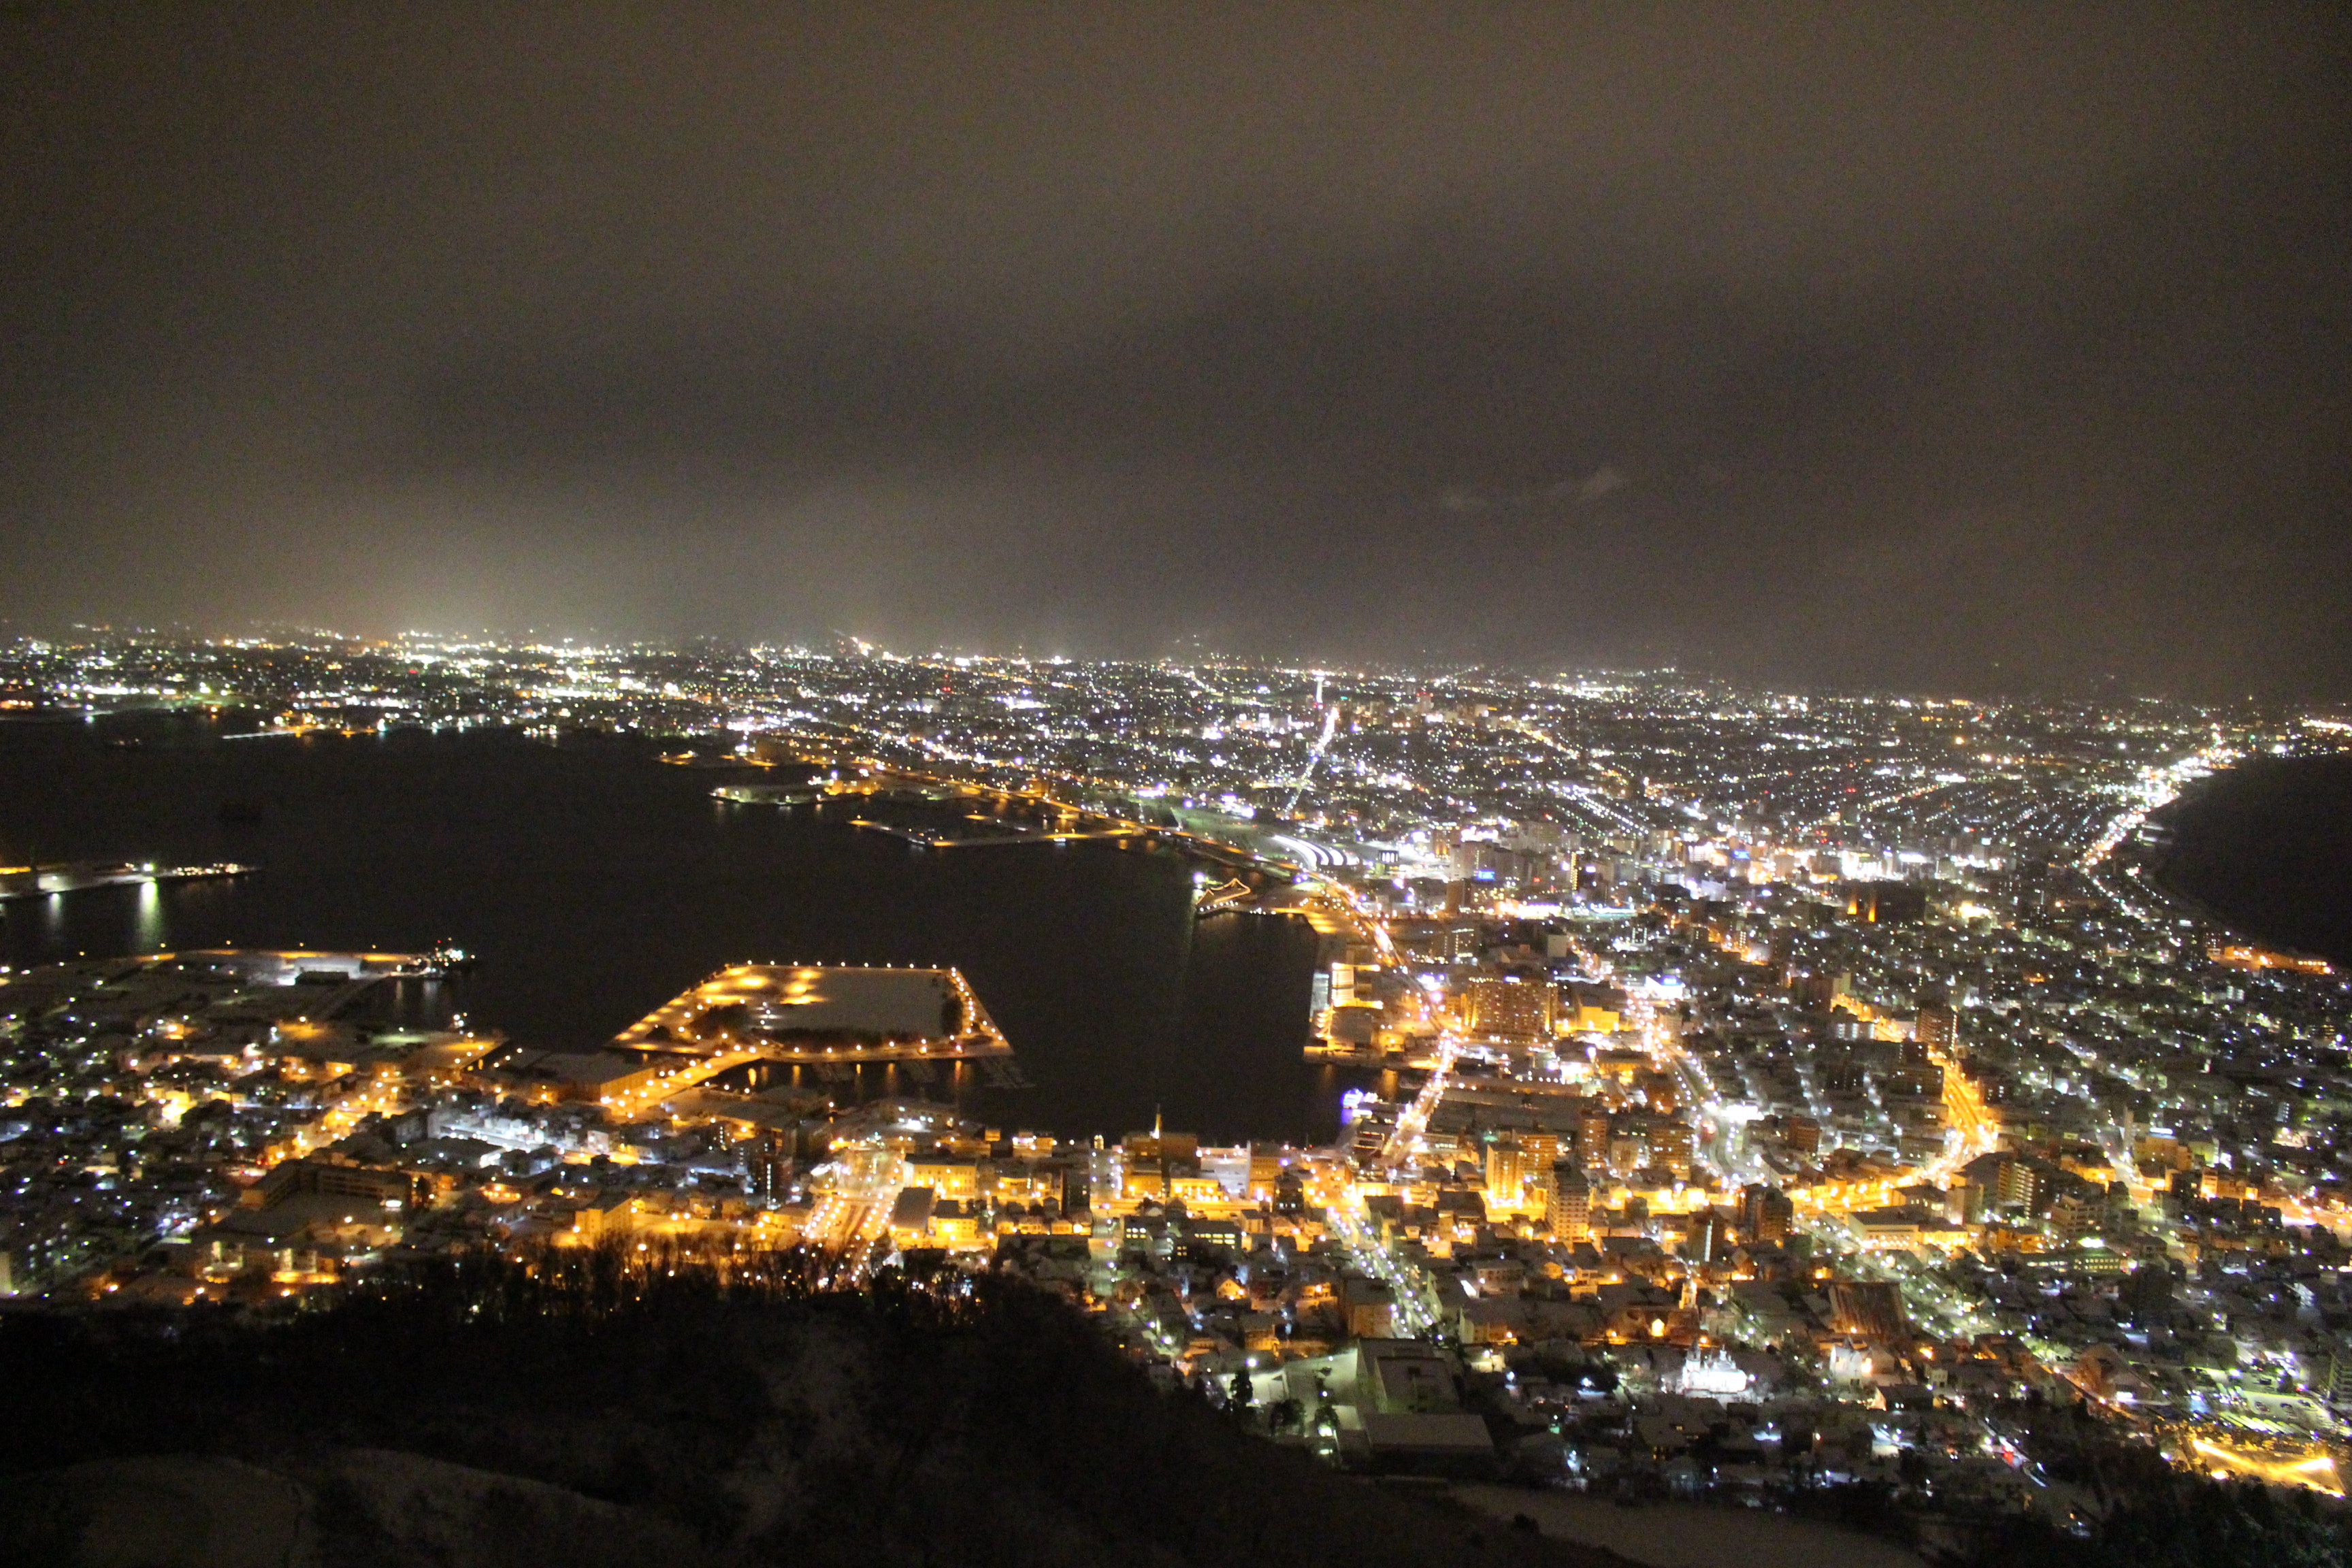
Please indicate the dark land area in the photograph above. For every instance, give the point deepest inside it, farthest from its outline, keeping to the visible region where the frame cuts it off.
(596, 1409)
(582, 1413)
(2267, 847)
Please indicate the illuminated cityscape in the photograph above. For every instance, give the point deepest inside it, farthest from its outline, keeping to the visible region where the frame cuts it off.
(1226, 785)
(1752, 1090)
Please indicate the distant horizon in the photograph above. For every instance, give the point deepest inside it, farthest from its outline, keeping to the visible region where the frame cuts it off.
(2075, 688)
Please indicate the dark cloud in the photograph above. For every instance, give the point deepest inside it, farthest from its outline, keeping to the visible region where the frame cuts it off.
(1858, 342)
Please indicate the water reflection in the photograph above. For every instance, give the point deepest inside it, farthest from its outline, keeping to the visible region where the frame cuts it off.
(147, 920)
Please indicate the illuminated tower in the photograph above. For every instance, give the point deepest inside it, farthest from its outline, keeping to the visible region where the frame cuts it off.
(1570, 1208)
(1510, 1168)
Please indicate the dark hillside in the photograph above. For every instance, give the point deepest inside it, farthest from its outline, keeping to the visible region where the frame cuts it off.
(993, 1427)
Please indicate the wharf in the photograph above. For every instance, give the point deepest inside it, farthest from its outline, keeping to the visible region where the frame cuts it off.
(81, 876)
(929, 838)
(766, 795)
(1231, 894)
(831, 1013)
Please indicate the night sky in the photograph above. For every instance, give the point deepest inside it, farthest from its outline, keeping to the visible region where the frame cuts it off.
(1962, 348)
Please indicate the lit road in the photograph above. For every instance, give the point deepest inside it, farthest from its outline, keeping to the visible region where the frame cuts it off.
(1413, 1297)
(1966, 1112)
(1404, 1138)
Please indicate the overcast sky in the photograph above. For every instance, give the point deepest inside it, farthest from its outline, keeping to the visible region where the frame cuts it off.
(1955, 348)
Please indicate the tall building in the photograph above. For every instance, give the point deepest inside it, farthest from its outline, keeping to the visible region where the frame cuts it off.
(1765, 1213)
(769, 1165)
(2024, 1183)
(1517, 1011)
(1494, 864)
(2075, 1212)
(2120, 1216)
(1510, 1168)
(1592, 1131)
(1569, 1210)
(1709, 1239)
(1822, 989)
(1670, 1145)
(1659, 1090)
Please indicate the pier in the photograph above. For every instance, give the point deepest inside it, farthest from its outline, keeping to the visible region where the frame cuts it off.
(766, 795)
(830, 1018)
(82, 876)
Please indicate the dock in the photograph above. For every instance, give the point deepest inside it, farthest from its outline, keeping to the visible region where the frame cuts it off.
(766, 795)
(929, 838)
(831, 1019)
(82, 876)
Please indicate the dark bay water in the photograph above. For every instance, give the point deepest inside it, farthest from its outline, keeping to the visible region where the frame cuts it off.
(2267, 846)
(593, 884)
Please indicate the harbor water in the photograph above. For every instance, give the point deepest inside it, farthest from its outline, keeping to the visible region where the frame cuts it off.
(592, 883)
